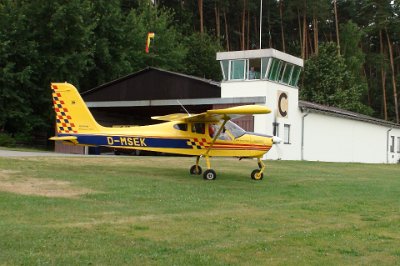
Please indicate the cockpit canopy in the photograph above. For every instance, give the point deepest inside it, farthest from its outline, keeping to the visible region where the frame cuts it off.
(229, 132)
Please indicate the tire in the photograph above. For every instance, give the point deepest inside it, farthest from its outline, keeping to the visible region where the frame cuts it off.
(255, 175)
(193, 170)
(209, 174)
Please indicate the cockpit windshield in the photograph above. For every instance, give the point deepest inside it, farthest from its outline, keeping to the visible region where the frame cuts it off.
(234, 129)
(229, 132)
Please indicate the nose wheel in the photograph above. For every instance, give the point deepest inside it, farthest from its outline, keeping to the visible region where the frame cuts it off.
(257, 174)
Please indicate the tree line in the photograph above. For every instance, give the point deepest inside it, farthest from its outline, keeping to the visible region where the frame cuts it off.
(351, 48)
(361, 76)
(87, 43)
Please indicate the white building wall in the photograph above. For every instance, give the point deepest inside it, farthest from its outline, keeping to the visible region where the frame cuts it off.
(264, 123)
(393, 157)
(326, 138)
(336, 139)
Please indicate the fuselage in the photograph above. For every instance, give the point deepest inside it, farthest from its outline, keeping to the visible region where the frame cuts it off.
(179, 138)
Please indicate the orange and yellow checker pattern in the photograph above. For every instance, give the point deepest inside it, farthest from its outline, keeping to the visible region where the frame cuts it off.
(62, 117)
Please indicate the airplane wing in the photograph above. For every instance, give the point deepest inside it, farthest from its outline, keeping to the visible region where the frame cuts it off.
(171, 117)
(228, 113)
(217, 114)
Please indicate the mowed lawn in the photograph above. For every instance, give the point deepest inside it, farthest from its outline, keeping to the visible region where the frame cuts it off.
(150, 211)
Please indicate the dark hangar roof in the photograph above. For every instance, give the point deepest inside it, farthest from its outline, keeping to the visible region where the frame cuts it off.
(154, 84)
(329, 110)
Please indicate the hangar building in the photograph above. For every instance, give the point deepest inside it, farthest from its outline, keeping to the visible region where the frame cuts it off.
(309, 131)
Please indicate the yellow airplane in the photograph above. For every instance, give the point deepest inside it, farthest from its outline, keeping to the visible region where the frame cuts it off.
(202, 135)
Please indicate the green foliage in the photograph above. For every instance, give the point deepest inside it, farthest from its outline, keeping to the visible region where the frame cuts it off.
(166, 51)
(323, 75)
(19, 54)
(86, 43)
(328, 81)
(351, 36)
(6, 140)
(200, 59)
(107, 41)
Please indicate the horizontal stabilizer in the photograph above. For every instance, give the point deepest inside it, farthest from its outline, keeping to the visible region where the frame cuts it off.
(66, 138)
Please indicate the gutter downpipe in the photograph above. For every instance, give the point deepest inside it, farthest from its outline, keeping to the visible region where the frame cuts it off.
(387, 145)
(302, 135)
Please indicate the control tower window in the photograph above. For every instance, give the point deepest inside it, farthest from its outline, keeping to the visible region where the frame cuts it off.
(264, 67)
(287, 72)
(238, 68)
(295, 76)
(275, 69)
(254, 68)
(225, 69)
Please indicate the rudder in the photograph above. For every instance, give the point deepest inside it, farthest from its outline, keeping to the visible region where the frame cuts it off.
(72, 114)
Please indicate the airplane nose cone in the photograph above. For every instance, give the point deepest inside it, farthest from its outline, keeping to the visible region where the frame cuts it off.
(276, 140)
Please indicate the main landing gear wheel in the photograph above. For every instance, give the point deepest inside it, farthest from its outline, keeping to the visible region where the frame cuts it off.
(257, 175)
(195, 170)
(209, 174)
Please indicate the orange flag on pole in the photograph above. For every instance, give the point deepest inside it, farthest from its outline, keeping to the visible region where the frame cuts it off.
(150, 36)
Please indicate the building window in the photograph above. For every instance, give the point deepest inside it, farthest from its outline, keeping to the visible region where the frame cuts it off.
(275, 127)
(286, 136)
(254, 68)
(392, 144)
(237, 69)
(225, 69)
(398, 144)
(264, 67)
(287, 73)
(275, 69)
(281, 70)
(295, 76)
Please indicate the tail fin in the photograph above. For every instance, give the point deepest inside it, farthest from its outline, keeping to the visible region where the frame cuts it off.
(72, 114)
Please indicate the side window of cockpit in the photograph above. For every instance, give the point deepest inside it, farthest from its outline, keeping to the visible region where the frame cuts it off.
(182, 127)
(198, 128)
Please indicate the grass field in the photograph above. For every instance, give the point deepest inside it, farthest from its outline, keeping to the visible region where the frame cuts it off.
(149, 210)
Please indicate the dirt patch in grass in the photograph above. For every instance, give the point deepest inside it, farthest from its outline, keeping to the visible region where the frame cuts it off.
(11, 182)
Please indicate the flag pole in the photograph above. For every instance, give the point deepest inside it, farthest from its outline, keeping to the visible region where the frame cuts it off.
(261, 4)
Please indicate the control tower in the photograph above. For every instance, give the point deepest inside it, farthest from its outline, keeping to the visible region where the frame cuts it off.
(273, 75)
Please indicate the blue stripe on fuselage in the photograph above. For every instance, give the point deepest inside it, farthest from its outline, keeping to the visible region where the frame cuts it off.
(130, 141)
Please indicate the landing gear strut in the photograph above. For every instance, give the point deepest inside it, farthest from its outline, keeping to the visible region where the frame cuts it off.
(209, 174)
(196, 169)
(257, 174)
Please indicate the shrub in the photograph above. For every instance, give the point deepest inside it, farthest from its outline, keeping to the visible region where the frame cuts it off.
(6, 140)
